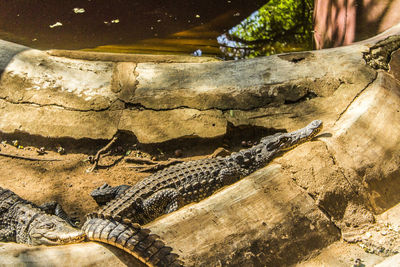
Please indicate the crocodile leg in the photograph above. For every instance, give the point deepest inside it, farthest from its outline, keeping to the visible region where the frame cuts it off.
(166, 200)
(54, 208)
(7, 235)
(229, 176)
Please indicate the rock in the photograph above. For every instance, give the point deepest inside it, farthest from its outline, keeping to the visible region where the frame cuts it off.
(151, 126)
(51, 121)
(83, 254)
(178, 153)
(220, 152)
(366, 133)
(8, 51)
(96, 98)
(341, 254)
(33, 77)
(390, 261)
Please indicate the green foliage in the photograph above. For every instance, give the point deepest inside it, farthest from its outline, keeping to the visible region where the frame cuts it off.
(278, 26)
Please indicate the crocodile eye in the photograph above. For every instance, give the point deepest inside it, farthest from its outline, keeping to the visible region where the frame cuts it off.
(49, 225)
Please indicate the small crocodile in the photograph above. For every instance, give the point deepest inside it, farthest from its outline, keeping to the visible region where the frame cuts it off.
(171, 188)
(123, 207)
(23, 222)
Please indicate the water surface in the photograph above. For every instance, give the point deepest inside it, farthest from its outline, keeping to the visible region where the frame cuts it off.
(128, 26)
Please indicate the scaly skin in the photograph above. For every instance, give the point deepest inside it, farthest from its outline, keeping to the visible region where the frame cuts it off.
(105, 193)
(168, 190)
(132, 238)
(24, 222)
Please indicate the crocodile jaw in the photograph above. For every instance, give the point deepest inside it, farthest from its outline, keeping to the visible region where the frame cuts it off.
(285, 141)
(300, 136)
(51, 230)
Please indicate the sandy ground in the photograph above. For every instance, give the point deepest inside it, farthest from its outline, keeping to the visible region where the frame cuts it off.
(68, 181)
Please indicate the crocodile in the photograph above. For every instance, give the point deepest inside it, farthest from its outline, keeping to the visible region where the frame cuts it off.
(129, 236)
(123, 208)
(171, 188)
(24, 222)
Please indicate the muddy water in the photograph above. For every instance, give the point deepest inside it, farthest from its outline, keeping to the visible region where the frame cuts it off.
(150, 26)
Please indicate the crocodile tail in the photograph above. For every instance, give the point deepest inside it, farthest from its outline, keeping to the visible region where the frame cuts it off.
(132, 238)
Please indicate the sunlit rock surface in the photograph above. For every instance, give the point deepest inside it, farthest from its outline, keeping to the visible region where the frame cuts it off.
(280, 91)
(83, 254)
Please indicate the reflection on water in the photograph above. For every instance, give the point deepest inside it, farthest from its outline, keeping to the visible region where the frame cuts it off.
(201, 37)
(278, 26)
(151, 26)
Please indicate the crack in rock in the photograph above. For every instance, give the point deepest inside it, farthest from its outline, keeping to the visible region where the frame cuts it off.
(355, 98)
(5, 99)
(335, 162)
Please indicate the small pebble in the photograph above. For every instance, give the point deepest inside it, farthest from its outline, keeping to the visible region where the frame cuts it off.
(15, 143)
(61, 150)
(90, 159)
(41, 151)
(249, 143)
(154, 158)
(178, 153)
(244, 143)
(358, 263)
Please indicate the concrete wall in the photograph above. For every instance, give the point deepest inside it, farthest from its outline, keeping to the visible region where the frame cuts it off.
(342, 22)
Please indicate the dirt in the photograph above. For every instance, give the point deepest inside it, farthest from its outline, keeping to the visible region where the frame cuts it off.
(65, 181)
